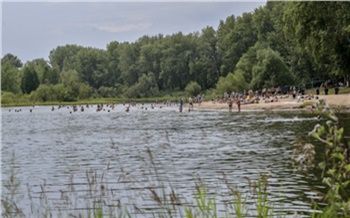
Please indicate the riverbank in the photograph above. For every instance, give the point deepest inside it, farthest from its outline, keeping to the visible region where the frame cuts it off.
(339, 102)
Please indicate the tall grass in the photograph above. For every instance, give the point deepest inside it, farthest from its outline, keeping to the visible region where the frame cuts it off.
(98, 199)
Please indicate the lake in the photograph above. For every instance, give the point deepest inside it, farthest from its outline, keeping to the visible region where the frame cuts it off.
(58, 154)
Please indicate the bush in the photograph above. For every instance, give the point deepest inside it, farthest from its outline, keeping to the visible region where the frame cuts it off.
(107, 92)
(8, 97)
(45, 93)
(85, 91)
(193, 88)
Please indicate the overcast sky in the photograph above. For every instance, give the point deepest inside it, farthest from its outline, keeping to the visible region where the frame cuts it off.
(31, 30)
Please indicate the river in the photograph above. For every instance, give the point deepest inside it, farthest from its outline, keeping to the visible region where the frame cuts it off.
(155, 149)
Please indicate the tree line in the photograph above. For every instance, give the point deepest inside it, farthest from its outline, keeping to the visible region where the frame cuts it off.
(281, 43)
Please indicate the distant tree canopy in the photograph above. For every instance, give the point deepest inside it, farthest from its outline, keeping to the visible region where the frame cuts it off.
(278, 44)
(30, 80)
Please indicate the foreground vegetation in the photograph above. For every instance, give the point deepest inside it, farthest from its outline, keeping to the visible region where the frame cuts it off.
(282, 43)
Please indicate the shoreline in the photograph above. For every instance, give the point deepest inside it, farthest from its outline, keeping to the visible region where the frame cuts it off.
(339, 102)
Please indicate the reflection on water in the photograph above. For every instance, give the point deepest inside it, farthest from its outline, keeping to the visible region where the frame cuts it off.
(51, 146)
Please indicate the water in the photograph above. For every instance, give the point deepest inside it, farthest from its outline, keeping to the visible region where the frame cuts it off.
(51, 146)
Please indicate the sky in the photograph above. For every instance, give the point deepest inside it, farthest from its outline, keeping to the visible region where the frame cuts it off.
(30, 30)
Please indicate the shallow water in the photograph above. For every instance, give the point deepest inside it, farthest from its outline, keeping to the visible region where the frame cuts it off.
(50, 146)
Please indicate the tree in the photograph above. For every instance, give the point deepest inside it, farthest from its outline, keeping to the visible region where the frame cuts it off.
(247, 61)
(150, 58)
(91, 65)
(176, 57)
(128, 57)
(145, 87)
(240, 39)
(46, 74)
(270, 70)
(113, 63)
(71, 84)
(322, 29)
(63, 57)
(30, 81)
(223, 42)
(205, 65)
(10, 78)
(13, 60)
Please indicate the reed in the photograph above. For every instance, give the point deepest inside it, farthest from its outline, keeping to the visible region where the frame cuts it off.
(98, 199)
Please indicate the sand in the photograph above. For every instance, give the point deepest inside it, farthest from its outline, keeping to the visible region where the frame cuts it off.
(337, 101)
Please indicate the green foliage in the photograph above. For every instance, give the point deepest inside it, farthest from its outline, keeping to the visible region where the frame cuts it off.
(70, 80)
(232, 82)
(10, 78)
(335, 166)
(145, 87)
(107, 92)
(63, 57)
(270, 70)
(193, 89)
(45, 93)
(30, 81)
(241, 38)
(225, 84)
(7, 97)
(248, 61)
(13, 60)
(205, 66)
(11, 194)
(322, 30)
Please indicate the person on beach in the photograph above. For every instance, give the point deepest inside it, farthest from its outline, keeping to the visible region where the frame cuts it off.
(199, 100)
(181, 104)
(294, 93)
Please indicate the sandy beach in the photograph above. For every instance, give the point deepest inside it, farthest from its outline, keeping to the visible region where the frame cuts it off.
(341, 101)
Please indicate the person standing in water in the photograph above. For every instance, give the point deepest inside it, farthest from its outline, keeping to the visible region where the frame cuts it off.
(229, 102)
(238, 102)
(181, 104)
(190, 106)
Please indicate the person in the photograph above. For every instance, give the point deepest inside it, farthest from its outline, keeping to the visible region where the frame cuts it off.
(336, 89)
(190, 100)
(181, 104)
(294, 92)
(229, 102)
(238, 102)
(326, 88)
(199, 100)
(303, 89)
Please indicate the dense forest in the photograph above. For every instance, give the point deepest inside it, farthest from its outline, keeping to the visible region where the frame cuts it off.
(280, 44)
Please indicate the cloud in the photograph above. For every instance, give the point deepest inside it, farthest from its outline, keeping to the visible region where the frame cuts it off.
(115, 28)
